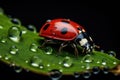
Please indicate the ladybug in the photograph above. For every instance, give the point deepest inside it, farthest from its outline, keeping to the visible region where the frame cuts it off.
(66, 32)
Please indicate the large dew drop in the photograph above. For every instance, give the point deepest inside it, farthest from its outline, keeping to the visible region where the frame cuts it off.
(112, 53)
(48, 50)
(32, 28)
(14, 34)
(86, 74)
(88, 59)
(96, 70)
(67, 62)
(3, 39)
(76, 74)
(17, 69)
(33, 47)
(36, 62)
(13, 50)
(16, 21)
(55, 74)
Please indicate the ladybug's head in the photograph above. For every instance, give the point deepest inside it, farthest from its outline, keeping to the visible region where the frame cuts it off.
(84, 41)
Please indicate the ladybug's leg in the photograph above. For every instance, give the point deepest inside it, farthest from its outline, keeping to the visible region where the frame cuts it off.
(64, 44)
(76, 50)
(45, 42)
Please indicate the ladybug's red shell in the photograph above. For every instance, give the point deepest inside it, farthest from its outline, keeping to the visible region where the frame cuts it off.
(60, 29)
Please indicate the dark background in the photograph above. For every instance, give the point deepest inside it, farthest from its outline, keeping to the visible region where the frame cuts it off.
(100, 19)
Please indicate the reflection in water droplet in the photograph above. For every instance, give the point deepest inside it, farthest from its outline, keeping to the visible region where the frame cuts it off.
(1, 27)
(17, 69)
(55, 74)
(16, 21)
(14, 34)
(3, 39)
(34, 47)
(88, 59)
(32, 28)
(48, 50)
(13, 50)
(106, 70)
(86, 75)
(96, 70)
(1, 11)
(67, 62)
(36, 62)
(112, 53)
(76, 75)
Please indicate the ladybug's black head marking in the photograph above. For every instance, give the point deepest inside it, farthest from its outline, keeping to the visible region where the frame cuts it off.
(83, 40)
(64, 30)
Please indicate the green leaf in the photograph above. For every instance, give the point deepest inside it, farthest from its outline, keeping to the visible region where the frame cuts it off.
(19, 47)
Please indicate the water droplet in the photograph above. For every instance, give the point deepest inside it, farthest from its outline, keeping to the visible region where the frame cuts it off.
(102, 50)
(12, 64)
(1, 11)
(34, 47)
(82, 66)
(55, 74)
(0, 56)
(98, 62)
(26, 61)
(32, 28)
(86, 75)
(48, 50)
(16, 21)
(14, 33)
(76, 74)
(67, 62)
(87, 66)
(7, 57)
(106, 70)
(13, 50)
(112, 53)
(3, 39)
(36, 62)
(17, 69)
(96, 70)
(114, 62)
(87, 59)
(104, 62)
(24, 30)
(48, 65)
(1, 27)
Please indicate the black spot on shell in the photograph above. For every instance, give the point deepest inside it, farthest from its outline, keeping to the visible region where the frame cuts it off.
(64, 31)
